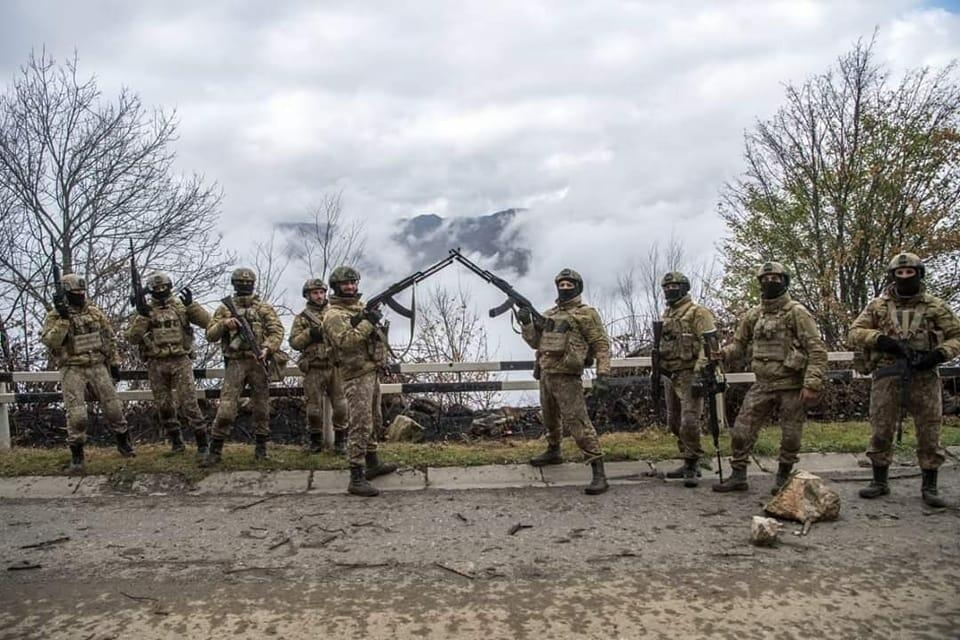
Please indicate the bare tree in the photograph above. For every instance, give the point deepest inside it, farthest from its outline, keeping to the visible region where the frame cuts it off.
(81, 175)
(330, 239)
(449, 329)
(270, 265)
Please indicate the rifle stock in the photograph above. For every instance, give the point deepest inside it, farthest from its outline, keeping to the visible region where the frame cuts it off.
(138, 299)
(514, 298)
(246, 333)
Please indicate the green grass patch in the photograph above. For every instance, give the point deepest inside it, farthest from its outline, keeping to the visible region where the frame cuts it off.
(654, 444)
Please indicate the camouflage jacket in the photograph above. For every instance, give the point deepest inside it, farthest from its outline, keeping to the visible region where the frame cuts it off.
(787, 350)
(313, 354)
(923, 320)
(167, 332)
(358, 349)
(263, 320)
(572, 335)
(85, 339)
(683, 324)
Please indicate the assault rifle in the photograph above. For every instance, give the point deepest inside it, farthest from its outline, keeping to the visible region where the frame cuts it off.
(656, 372)
(138, 299)
(269, 364)
(902, 368)
(711, 385)
(386, 296)
(514, 298)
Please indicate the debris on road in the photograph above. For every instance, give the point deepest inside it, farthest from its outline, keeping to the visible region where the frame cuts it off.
(804, 498)
(765, 532)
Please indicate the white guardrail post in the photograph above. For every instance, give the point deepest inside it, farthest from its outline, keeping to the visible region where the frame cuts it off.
(4, 420)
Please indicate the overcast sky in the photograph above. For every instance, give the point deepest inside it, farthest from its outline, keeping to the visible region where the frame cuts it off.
(615, 123)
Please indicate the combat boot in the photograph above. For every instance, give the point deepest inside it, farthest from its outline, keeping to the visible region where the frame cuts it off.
(783, 474)
(375, 468)
(176, 442)
(681, 471)
(691, 470)
(358, 483)
(736, 482)
(76, 457)
(215, 455)
(548, 457)
(340, 442)
(929, 490)
(260, 448)
(879, 486)
(124, 446)
(599, 483)
(316, 443)
(200, 435)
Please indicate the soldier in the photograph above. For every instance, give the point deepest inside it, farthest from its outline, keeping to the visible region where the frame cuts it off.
(320, 377)
(243, 366)
(919, 330)
(789, 359)
(161, 329)
(360, 351)
(571, 336)
(81, 342)
(681, 354)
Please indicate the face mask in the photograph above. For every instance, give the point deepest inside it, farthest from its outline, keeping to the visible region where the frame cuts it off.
(243, 289)
(908, 286)
(565, 295)
(771, 290)
(672, 295)
(76, 299)
(161, 294)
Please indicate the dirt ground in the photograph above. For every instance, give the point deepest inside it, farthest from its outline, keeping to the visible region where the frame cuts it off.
(645, 560)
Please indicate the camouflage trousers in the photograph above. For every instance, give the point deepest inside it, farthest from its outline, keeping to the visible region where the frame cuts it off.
(76, 380)
(239, 373)
(320, 383)
(363, 416)
(564, 410)
(171, 381)
(925, 405)
(758, 406)
(683, 413)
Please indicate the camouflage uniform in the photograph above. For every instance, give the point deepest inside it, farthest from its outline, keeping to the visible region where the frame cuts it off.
(359, 348)
(788, 355)
(165, 339)
(320, 376)
(571, 336)
(927, 325)
(82, 344)
(681, 355)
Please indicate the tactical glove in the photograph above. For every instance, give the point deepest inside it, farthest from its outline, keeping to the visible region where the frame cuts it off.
(186, 296)
(930, 360)
(890, 345)
(316, 334)
(115, 372)
(601, 384)
(143, 308)
(60, 304)
(524, 316)
(373, 316)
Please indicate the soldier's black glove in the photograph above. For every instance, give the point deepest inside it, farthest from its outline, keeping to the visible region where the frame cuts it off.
(316, 334)
(890, 345)
(115, 372)
(930, 360)
(60, 304)
(373, 316)
(524, 316)
(186, 296)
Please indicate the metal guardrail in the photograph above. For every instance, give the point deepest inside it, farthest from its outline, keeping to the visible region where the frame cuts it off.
(7, 398)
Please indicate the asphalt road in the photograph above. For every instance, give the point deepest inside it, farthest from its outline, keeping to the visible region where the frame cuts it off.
(645, 560)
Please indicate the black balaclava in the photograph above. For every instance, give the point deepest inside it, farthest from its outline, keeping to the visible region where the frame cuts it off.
(674, 294)
(243, 288)
(566, 295)
(907, 287)
(76, 298)
(771, 290)
(161, 294)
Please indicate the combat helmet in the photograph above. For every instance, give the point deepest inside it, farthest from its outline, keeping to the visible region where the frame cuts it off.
(312, 284)
(72, 283)
(907, 260)
(768, 268)
(159, 285)
(243, 279)
(340, 275)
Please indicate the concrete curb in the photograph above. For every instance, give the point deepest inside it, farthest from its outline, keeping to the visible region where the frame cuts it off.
(512, 476)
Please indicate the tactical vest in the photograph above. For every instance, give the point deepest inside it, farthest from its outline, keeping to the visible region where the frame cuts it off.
(775, 338)
(169, 333)
(85, 336)
(909, 323)
(679, 344)
(562, 344)
(318, 354)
